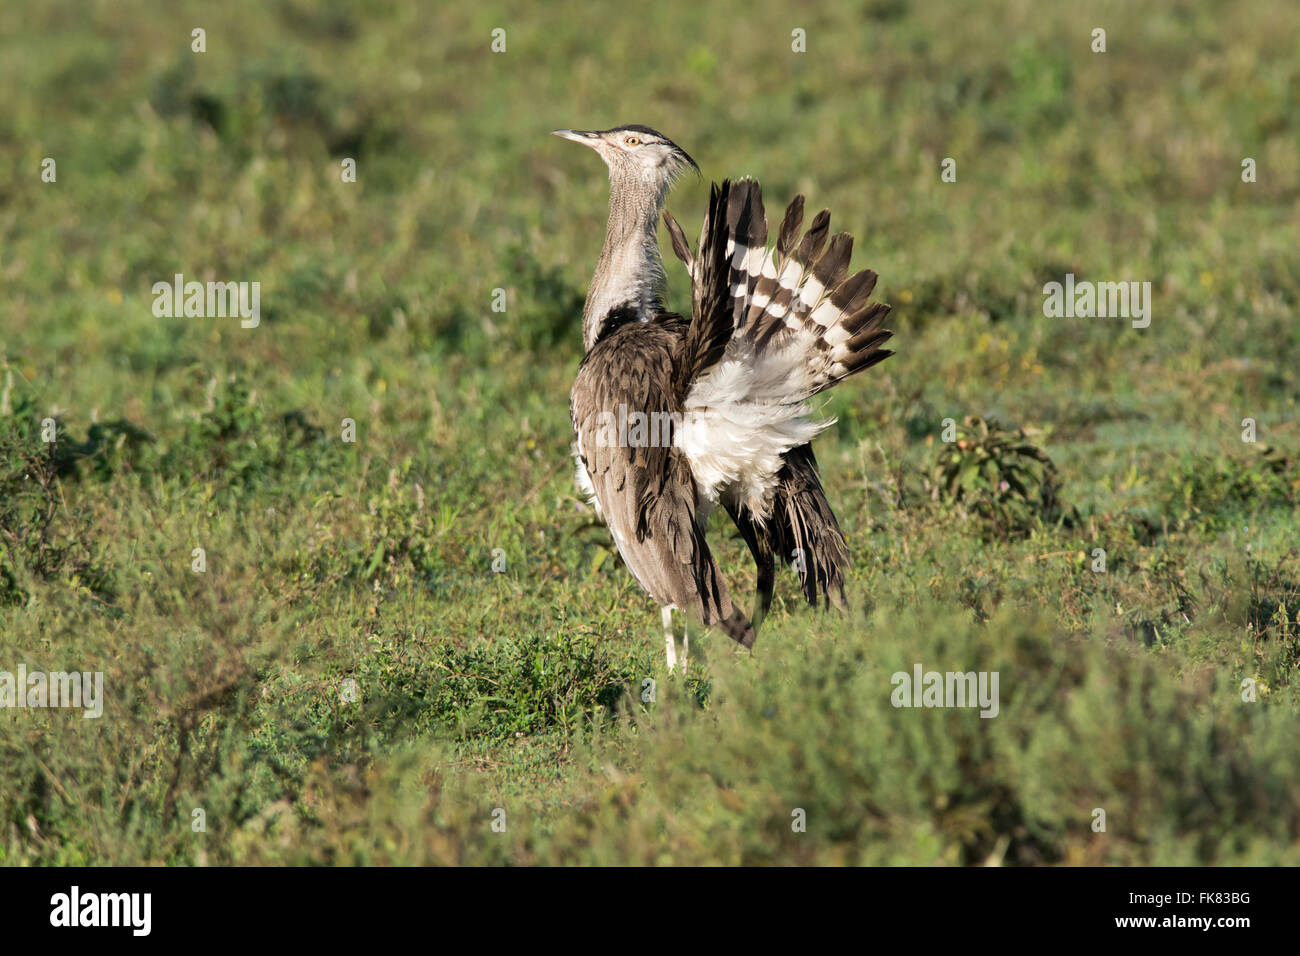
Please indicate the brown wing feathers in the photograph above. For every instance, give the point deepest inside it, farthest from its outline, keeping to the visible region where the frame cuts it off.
(804, 530)
(742, 291)
(811, 244)
(712, 321)
(681, 248)
(790, 227)
(803, 288)
(646, 489)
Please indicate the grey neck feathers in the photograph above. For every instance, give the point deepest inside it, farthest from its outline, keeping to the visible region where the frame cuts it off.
(630, 272)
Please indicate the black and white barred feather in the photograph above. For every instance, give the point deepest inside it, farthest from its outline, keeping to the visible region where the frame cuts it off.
(799, 324)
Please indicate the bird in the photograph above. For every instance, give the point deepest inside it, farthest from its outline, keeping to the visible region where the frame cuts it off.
(674, 416)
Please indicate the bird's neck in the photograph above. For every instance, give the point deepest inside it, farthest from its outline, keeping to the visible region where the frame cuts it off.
(630, 272)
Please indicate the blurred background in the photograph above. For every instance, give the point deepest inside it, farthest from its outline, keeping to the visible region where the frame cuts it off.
(371, 561)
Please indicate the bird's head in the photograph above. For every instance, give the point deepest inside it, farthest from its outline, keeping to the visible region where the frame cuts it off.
(635, 155)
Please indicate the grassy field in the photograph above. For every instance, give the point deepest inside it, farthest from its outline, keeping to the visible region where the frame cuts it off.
(348, 680)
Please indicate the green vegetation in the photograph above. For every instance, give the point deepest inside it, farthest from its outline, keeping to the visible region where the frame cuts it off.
(350, 681)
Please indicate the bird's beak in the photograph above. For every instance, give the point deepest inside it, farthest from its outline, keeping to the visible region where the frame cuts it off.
(586, 137)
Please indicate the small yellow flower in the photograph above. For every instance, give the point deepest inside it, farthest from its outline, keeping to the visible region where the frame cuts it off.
(905, 296)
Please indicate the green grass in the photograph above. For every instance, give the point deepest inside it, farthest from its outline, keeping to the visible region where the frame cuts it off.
(349, 681)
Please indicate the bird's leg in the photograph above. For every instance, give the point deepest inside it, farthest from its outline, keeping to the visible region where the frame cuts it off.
(669, 649)
(686, 642)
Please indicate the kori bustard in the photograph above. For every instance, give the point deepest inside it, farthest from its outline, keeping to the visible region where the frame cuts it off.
(674, 416)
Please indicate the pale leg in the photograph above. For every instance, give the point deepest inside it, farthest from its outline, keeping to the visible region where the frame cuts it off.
(669, 649)
(686, 642)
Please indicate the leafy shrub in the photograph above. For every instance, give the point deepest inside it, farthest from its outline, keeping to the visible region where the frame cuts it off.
(999, 476)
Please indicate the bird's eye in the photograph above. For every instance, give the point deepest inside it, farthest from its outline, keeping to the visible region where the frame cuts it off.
(632, 141)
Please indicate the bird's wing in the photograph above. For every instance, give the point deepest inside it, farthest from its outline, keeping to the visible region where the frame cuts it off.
(796, 305)
(798, 324)
(713, 314)
(624, 413)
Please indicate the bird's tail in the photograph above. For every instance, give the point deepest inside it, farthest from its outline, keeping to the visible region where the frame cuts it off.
(802, 530)
(738, 628)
